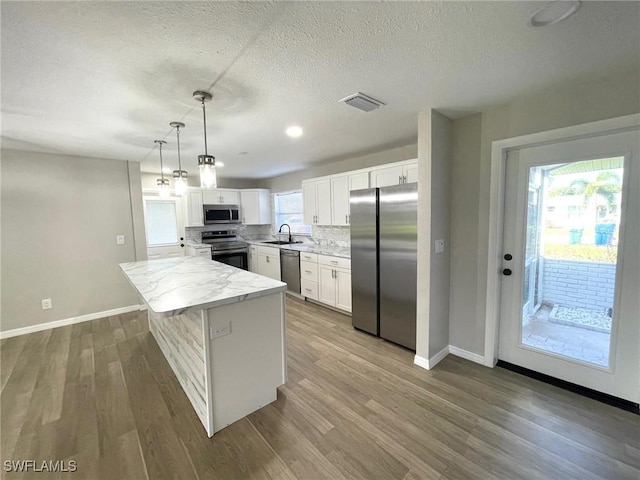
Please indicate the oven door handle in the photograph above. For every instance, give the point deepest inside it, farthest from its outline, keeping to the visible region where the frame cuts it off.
(224, 252)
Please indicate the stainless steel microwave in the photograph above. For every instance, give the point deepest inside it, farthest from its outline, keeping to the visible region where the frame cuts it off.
(215, 214)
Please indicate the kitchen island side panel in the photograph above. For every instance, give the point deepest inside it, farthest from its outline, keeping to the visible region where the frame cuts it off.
(181, 340)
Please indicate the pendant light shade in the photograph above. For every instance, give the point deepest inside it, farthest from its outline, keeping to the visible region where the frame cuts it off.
(206, 162)
(163, 183)
(179, 176)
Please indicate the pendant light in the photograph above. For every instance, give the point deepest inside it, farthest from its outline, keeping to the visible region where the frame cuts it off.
(163, 183)
(179, 176)
(206, 162)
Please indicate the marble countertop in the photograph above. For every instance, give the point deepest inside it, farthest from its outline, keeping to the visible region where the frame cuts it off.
(171, 286)
(334, 251)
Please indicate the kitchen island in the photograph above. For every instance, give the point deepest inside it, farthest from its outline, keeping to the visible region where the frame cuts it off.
(221, 330)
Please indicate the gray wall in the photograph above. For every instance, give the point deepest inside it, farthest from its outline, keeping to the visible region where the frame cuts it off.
(60, 218)
(434, 218)
(572, 104)
(465, 185)
(293, 181)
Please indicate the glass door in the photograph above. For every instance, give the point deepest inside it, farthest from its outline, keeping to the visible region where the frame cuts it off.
(569, 304)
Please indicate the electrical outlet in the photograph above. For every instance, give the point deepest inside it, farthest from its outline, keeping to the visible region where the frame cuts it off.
(46, 303)
(120, 239)
(439, 246)
(220, 330)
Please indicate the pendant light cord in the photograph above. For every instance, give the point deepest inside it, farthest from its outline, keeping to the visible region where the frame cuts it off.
(178, 140)
(161, 167)
(204, 118)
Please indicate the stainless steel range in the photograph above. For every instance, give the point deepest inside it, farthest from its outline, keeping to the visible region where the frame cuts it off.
(226, 248)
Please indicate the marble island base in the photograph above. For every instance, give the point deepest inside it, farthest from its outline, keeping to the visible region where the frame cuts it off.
(226, 376)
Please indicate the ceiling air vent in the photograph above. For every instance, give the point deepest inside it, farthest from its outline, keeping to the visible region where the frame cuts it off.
(362, 102)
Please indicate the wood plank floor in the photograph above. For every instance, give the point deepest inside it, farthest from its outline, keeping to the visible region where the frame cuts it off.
(101, 393)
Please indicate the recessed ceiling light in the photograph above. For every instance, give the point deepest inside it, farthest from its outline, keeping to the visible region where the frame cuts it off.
(294, 131)
(554, 12)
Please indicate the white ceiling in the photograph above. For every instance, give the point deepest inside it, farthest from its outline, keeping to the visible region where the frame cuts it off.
(104, 79)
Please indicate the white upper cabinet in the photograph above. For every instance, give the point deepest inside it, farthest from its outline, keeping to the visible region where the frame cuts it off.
(411, 173)
(316, 198)
(326, 199)
(394, 174)
(340, 190)
(193, 208)
(214, 196)
(256, 206)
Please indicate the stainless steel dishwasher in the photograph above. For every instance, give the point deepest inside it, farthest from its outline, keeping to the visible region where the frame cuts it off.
(290, 269)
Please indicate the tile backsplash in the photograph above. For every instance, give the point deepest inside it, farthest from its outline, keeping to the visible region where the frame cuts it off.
(321, 235)
(324, 235)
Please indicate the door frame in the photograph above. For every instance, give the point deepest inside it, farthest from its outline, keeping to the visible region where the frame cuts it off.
(499, 150)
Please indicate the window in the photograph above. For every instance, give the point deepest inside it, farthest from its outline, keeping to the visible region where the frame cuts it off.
(162, 222)
(289, 210)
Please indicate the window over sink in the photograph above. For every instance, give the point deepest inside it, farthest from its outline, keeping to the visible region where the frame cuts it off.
(289, 210)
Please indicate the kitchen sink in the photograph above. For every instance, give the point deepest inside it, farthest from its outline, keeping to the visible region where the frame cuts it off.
(280, 242)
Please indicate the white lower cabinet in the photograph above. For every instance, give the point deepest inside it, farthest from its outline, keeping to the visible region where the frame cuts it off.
(334, 281)
(309, 275)
(269, 262)
(253, 258)
(198, 251)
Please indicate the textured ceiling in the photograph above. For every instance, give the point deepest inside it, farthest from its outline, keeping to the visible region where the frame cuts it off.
(104, 79)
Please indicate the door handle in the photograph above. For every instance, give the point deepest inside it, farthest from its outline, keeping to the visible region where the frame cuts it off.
(508, 256)
(267, 259)
(346, 219)
(400, 179)
(506, 272)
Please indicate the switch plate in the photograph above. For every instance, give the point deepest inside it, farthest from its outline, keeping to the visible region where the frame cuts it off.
(439, 246)
(218, 331)
(120, 239)
(46, 303)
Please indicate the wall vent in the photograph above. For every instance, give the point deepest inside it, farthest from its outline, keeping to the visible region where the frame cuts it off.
(362, 102)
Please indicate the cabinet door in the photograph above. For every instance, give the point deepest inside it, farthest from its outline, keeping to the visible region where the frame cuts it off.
(323, 202)
(231, 197)
(385, 177)
(343, 289)
(359, 181)
(269, 266)
(253, 259)
(250, 204)
(193, 202)
(340, 200)
(411, 173)
(327, 285)
(210, 196)
(309, 202)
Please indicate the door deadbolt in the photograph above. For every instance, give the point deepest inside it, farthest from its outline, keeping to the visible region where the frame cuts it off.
(508, 256)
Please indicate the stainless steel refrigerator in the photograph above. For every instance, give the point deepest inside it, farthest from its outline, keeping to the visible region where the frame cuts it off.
(384, 262)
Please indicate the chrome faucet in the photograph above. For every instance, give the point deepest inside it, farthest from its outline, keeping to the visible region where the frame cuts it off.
(280, 230)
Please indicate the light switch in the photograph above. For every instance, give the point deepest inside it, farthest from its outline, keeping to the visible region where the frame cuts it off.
(439, 246)
(120, 239)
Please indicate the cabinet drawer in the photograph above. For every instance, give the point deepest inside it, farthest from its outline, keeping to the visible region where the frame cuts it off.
(334, 261)
(271, 251)
(309, 289)
(203, 252)
(309, 271)
(309, 257)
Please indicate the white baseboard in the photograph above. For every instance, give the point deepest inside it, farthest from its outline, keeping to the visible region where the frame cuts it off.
(473, 357)
(437, 358)
(69, 321)
(433, 361)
